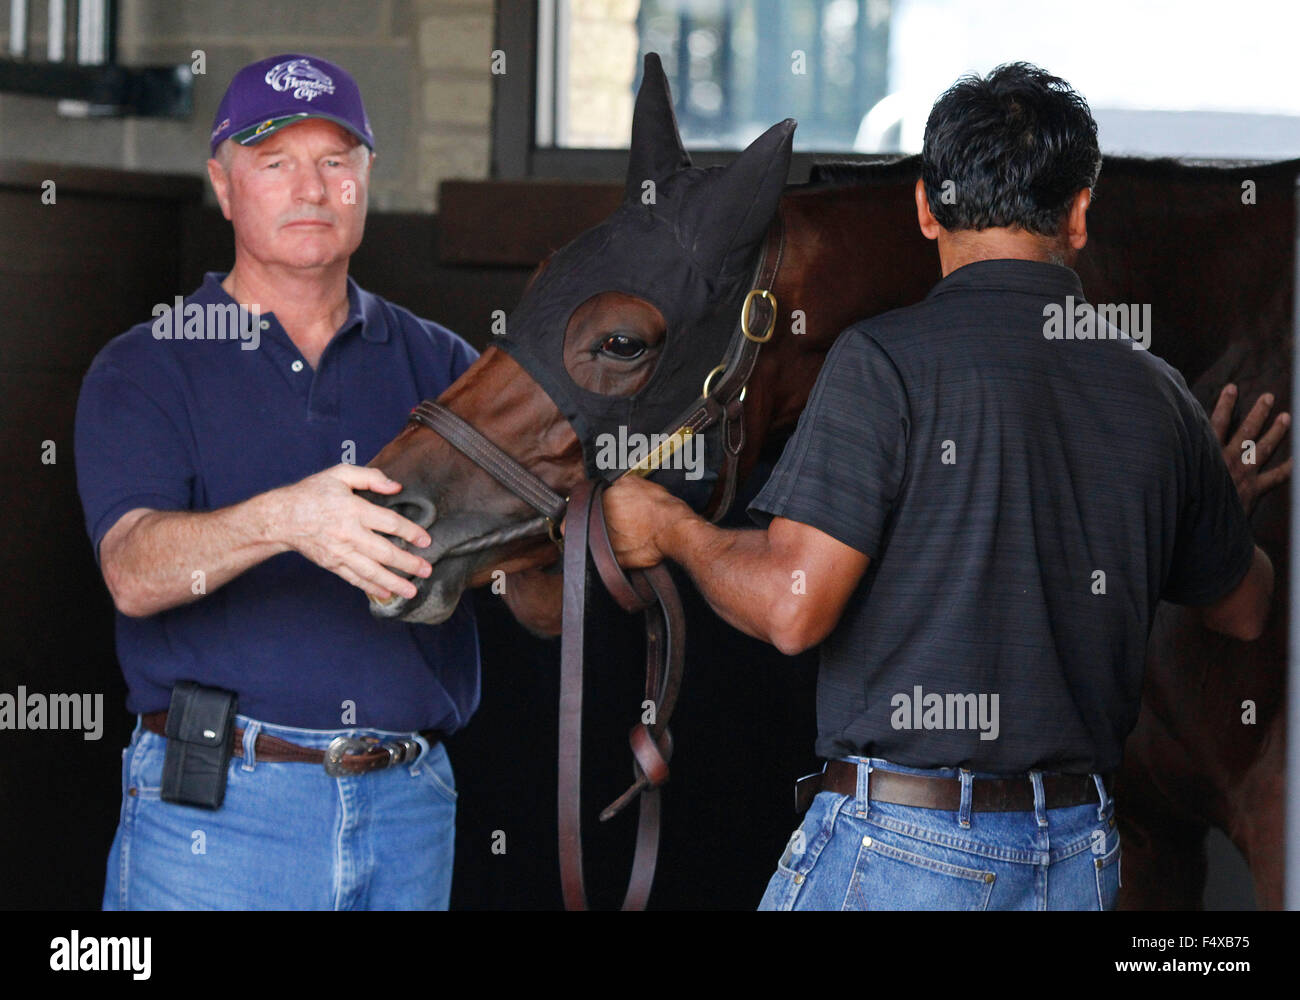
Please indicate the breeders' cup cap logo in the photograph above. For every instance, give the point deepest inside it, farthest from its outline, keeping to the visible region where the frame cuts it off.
(281, 90)
(300, 76)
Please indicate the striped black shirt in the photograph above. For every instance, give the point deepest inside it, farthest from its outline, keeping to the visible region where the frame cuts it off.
(1026, 502)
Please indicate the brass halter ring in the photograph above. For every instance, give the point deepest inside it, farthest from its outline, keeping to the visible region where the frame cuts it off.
(708, 380)
(760, 293)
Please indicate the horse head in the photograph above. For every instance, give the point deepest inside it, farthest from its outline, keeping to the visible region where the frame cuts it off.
(614, 337)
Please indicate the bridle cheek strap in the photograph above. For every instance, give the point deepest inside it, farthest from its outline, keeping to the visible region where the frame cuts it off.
(474, 445)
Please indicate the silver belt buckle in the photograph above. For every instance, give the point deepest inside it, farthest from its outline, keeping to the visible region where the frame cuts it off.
(400, 751)
(341, 746)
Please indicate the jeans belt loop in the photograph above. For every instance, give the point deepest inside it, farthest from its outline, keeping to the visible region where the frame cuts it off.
(416, 759)
(251, 733)
(1040, 798)
(1102, 797)
(863, 795)
(413, 765)
(967, 793)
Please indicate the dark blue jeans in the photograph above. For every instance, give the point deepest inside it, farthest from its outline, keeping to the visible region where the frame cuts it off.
(852, 853)
(288, 836)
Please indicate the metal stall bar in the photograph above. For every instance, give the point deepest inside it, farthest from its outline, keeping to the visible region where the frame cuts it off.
(17, 28)
(1292, 781)
(57, 36)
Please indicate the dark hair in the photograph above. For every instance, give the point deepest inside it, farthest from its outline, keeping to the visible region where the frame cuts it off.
(1017, 146)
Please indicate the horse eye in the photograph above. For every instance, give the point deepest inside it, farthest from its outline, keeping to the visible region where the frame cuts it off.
(620, 345)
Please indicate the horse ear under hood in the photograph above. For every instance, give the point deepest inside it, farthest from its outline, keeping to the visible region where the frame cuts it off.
(731, 209)
(742, 200)
(657, 151)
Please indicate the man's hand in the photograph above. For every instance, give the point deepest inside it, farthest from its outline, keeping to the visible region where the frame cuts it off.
(786, 585)
(322, 518)
(637, 513)
(1250, 482)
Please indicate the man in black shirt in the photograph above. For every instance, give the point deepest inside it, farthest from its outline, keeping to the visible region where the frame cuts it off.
(977, 517)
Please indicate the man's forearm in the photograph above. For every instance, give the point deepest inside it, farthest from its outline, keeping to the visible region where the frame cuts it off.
(738, 573)
(152, 567)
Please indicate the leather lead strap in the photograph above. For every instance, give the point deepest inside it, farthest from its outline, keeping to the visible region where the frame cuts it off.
(570, 756)
(653, 592)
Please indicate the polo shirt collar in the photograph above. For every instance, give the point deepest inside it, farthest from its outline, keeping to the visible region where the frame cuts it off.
(363, 307)
(1033, 276)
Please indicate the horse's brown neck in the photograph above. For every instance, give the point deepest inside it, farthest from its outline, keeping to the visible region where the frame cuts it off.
(850, 253)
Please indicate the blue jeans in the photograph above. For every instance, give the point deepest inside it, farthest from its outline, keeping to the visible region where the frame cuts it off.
(288, 836)
(852, 853)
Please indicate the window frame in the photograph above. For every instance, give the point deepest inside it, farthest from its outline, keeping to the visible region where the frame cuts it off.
(515, 154)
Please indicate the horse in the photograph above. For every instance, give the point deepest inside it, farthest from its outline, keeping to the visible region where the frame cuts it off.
(624, 324)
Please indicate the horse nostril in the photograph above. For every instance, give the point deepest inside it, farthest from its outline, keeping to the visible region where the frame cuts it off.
(415, 508)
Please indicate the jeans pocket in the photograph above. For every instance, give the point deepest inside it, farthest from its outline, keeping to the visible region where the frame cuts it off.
(143, 766)
(1107, 868)
(795, 860)
(920, 877)
(805, 846)
(434, 770)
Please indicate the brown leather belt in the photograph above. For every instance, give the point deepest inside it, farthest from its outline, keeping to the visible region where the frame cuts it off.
(346, 755)
(987, 794)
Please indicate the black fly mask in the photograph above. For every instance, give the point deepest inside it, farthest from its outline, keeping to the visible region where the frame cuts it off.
(686, 240)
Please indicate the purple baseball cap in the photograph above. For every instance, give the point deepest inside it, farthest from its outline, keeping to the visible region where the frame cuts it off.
(267, 96)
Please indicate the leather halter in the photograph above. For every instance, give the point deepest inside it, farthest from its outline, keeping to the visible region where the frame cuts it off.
(649, 590)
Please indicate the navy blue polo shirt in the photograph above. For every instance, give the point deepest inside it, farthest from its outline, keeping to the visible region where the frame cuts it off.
(199, 423)
(1026, 501)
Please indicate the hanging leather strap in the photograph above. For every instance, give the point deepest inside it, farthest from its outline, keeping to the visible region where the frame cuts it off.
(653, 592)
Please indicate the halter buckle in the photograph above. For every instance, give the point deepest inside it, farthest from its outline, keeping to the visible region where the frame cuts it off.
(760, 293)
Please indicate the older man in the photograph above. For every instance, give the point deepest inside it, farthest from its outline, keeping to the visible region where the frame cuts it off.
(234, 561)
(981, 518)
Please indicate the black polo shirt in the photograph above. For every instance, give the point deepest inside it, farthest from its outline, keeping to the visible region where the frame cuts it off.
(1026, 501)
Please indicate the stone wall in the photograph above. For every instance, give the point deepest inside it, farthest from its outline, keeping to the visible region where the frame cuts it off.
(423, 67)
(602, 63)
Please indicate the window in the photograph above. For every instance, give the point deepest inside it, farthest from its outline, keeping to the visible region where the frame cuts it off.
(1196, 79)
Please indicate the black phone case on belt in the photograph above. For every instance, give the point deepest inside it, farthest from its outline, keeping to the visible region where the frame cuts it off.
(200, 730)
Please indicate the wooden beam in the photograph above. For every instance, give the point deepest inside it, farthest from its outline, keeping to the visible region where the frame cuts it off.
(517, 223)
(101, 181)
